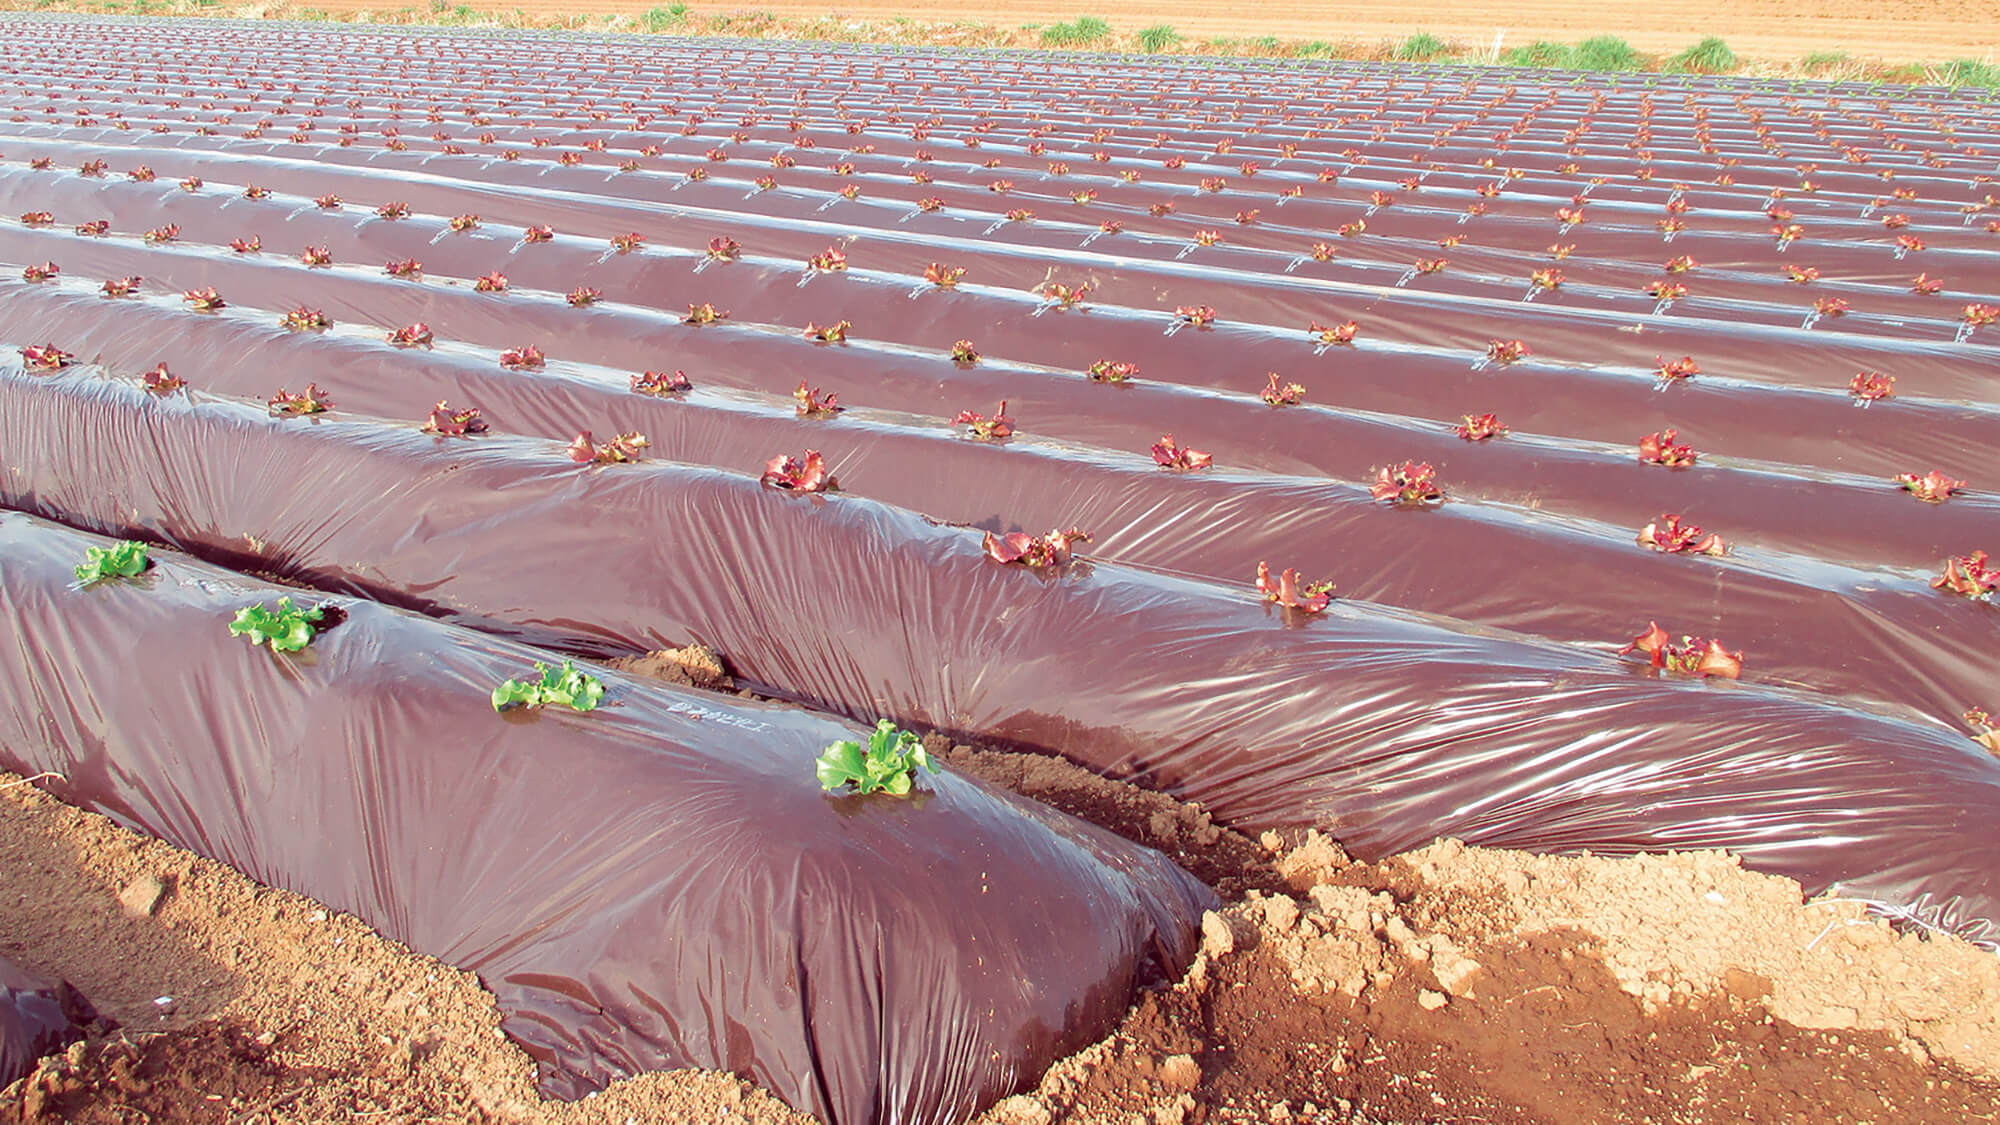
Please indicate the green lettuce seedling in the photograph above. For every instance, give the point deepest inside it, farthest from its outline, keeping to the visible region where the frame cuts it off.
(888, 765)
(578, 691)
(124, 560)
(286, 628)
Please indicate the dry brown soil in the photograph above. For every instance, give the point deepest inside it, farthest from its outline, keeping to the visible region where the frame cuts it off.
(1891, 30)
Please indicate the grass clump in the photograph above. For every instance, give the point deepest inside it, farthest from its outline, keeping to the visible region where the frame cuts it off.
(656, 20)
(1157, 38)
(1086, 31)
(1542, 53)
(1605, 52)
(1710, 56)
(1968, 72)
(1421, 47)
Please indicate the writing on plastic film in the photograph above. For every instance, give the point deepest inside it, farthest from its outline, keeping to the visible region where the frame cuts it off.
(699, 714)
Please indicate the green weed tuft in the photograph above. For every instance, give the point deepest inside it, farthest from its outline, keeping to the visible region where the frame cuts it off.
(1087, 30)
(1157, 38)
(1420, 47)
(1710, 56)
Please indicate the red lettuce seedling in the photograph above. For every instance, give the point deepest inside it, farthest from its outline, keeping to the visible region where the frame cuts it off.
(250, 245)
(1413, 484)
(403, 267)
(623, 449)
(37, 218)
(1871, 386)
(628, 242)
(1112, 371)
(1674, 370)
(47, 271)
(47, 357)
(303, 319)
(1979, 316)
(126, 559)
(1479, 427)
(582, 296)
(285, 627)
(316, 256)
(96, 228)
(943, 276)
(1691, 656)
(121, 286)
(1801, 275)
(163, 234)
(1983, 730)
(830, 260)
(963, 353)
(887, 765)
(252, 191)
(1830, 306)
(1506, 351)
(538, 234)
(527, 357)
(562, 687)
(1337, 335)
(1167, 455)
(1682, 264)
(1968, 576)
(1669, 534)
(1662, 449)
(1661, 290)
(835, 333)
(161, 381)
(1064, 296)
(997, 427)
(703, 313)
(792, 475)
(394, 210)
(1039, 552)
(312, 400)
(446, 422)
(1546, 279)
(459, 223)
(1280, 393)
(1924, 285)
(495, 282)
(1201, 316)
(1932, 488)
(1292, 591)
(416, 335)
(204, 300)
(660, 384)
(812, 405)
(722, 249)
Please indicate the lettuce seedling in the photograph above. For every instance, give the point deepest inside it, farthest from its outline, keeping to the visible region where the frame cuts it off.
(1670, 535)
(161, 381)
(660, 384)
(793, 475)
(623, 449)
(996, 428)
(565, 686)
(812, 404)
(46, 357)
(1871, 386)
(887, 765)
(285, 627)
(1169, 455)
(1280, 393)
(312, 400)
(1692, 656)
(122, 560)
(1037, 552)
(1932, 488)
(1412, 484)
(448, 422)
(1968, 576)
(1663, 448)
(1292, 591)
(1480, 427)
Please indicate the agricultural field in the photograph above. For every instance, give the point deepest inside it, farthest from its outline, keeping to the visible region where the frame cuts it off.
(898, 585)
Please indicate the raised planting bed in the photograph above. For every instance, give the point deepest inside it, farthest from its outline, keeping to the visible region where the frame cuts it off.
(1390, 727)
(658, 882)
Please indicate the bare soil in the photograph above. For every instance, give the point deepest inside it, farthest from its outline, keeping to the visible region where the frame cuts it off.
(1450, 984)
(1890, 30)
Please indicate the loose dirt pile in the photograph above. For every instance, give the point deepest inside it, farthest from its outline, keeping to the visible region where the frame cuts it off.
(1452, 983)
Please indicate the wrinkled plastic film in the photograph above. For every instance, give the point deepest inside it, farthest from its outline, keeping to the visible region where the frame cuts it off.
(658, 883)
(1387, 727)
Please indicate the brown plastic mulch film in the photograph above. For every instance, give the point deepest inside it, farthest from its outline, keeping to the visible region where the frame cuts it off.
(36, 1018)
(657, 883)
(1389, 728)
